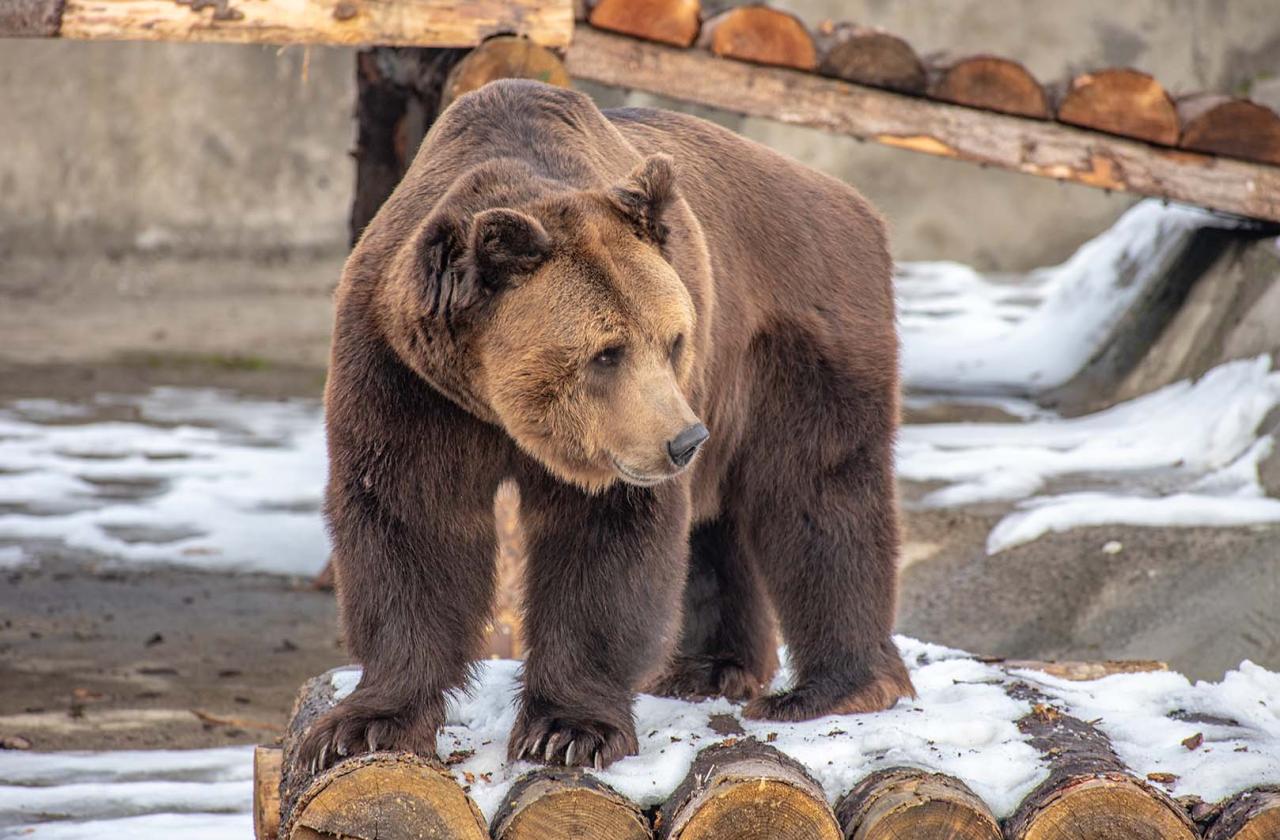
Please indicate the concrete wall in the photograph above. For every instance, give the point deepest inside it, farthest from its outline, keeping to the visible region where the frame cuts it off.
(216, 149)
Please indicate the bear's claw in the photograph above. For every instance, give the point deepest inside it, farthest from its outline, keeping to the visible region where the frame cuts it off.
(810, 700)
(570, 743)
(700, 677)
(344, 732)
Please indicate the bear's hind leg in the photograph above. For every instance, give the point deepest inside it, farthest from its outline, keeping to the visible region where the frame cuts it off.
(727, 644)
(817, 500)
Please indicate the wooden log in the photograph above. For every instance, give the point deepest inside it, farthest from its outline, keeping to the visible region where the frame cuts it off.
(1122, 101)
(1078, 671)
(746, 790)
(423, 23)
(761, 35)
(1251, 815)
(869, 56)
(672, 22)
(503, 57)
(1044, 149)
(266, 792)
(1089, 792)
(906, 802)
(1224, 125)
(560, 804)
(505, 632)
(376, 796)
(988, 82)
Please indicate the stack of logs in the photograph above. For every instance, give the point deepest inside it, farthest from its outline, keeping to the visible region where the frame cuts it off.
(744, 789)
(1118, 101)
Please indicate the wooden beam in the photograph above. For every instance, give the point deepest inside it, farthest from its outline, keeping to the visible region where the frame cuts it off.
(417, 23)
(1046, 149)
(266, 792)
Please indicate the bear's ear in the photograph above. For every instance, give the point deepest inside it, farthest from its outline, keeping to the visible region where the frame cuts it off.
(506, 242)
(646, 194)
(458, 267)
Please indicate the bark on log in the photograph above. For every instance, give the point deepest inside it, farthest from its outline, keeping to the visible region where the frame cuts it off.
(988, 82)
(377, 796)
(668, 21)
(1089, 792)
(1223, 125)
(30, 18)
(266, 792)
(869, 56)
(398, 94)
(1251, 815)
(906, 802)
(559, 804)
(420, 23)
(504, 57)
(1121, 101)
(761, 35)
(1046, 149)
(746, 790)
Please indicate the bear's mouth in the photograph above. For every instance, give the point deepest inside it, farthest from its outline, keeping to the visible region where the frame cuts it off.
(632, 477)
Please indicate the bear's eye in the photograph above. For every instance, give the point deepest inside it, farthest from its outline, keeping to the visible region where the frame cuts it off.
(677, 347)
(608, 357)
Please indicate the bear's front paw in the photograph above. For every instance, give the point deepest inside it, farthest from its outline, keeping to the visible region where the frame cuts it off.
(348, 730)
(699, 677)
(571, 740)
(810, 700)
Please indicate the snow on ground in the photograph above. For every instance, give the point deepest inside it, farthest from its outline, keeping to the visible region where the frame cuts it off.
(963, 723)
(1184, 455)
(194, 476)
(964, 332)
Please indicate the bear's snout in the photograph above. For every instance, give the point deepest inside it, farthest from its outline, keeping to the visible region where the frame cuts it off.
(682, 447)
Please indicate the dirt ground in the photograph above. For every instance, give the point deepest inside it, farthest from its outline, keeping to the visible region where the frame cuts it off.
(94, 656)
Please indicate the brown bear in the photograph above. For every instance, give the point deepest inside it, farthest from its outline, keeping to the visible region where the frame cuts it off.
(681, 347)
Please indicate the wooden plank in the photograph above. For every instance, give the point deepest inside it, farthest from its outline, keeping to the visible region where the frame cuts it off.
(906, 802)
(566, 804)
(1046, 149)
(266, 792)
(421, 23)
(746, 790)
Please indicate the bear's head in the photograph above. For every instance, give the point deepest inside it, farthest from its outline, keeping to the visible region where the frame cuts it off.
(574, 328)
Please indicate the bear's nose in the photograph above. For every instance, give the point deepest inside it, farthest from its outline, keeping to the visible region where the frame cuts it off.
(685, 445)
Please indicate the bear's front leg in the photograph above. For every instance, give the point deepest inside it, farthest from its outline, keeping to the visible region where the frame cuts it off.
(410, 509)
(602, 602)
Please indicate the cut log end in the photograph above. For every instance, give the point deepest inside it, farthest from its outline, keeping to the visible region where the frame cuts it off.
(988, 82)
(905, 802)
(747, 791)
(565, 804)
(870, 56)
(761, 35)
(1222, 125)
(503, 57)
(1251, 815)
(1121, 101)
(385, 796)
(672, 22)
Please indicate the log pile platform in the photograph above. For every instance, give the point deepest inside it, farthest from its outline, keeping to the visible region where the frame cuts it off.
(1114, 128)
(743, 788)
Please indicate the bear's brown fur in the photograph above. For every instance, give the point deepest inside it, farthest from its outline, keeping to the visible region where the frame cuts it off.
(553, 295)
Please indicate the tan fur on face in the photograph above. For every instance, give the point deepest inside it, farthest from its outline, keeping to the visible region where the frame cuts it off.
(603, 287)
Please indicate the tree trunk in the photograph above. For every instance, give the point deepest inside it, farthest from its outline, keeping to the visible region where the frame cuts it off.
(760, 35)
(560, 804)
(1121, 101)
(906, 802)
(746, 790)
